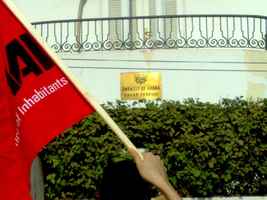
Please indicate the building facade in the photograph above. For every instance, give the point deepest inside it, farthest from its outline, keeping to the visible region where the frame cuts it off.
(207, 50)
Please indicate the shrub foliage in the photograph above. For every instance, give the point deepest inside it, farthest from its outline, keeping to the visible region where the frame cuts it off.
(208, 149)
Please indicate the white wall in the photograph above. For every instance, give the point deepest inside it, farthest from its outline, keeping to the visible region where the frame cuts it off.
(185, 72)
(255, 7)
(66, 9)
(36, 10)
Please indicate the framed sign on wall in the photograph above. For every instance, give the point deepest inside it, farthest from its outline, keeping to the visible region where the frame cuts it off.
(140, 85)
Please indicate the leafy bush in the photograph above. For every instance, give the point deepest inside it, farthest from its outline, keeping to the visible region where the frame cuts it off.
(209, 149)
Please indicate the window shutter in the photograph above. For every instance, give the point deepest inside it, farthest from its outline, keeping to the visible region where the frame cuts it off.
(115, 8)
(115, 25)
(171, 23)
(152, 11)
(170, 7)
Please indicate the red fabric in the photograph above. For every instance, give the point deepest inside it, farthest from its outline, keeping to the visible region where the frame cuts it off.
(23, 135)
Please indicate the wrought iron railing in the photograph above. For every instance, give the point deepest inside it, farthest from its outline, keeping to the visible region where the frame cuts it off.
(152, 32)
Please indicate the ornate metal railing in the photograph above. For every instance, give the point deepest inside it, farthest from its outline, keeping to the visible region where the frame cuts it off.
(152, 32)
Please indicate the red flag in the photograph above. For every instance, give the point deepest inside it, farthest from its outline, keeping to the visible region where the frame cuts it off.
(37, 102)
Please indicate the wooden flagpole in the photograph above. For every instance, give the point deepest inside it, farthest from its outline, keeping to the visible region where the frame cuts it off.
(125, 140)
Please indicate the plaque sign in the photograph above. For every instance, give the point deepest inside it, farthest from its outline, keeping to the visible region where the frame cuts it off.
(140, 85)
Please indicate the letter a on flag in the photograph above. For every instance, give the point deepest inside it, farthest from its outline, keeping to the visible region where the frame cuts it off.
(37, 102)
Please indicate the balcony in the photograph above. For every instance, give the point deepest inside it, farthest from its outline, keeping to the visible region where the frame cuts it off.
(154, 32)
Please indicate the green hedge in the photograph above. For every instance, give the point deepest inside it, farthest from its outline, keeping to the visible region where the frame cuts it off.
(209, 149)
